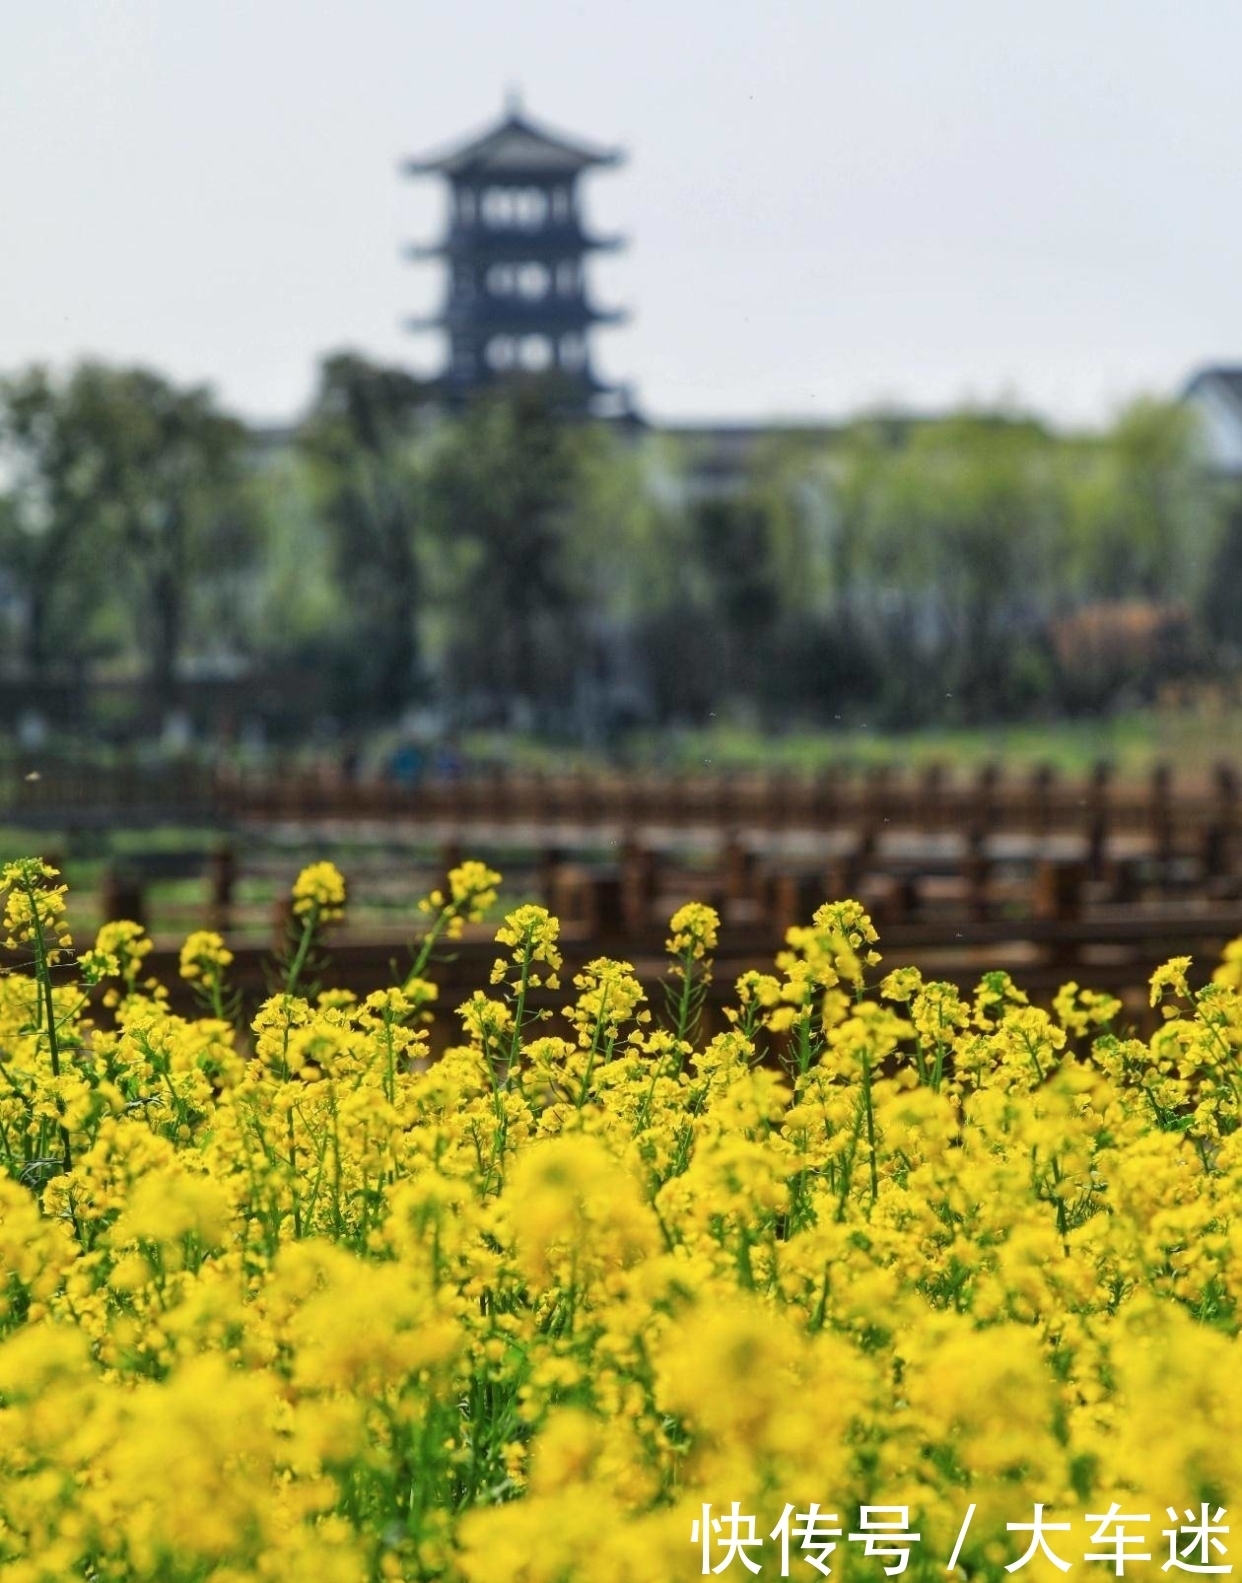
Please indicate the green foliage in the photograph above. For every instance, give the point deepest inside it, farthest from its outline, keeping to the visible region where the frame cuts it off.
(51, 527)
(123, 482)
(361, 441)
(514, 566)
(503, 486)
(1222, 603)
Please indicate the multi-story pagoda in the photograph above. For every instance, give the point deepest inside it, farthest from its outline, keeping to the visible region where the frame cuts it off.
(516, 246)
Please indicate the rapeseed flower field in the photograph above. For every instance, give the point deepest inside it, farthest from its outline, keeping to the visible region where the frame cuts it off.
(882, 1280)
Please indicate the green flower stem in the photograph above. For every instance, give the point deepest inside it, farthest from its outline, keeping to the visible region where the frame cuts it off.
(47, 1006)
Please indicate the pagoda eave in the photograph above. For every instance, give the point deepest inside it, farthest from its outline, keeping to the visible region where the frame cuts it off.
(516, 148)
(482, 171)
(517, 322)
(498, 247)
(499, 379)
(513, 150)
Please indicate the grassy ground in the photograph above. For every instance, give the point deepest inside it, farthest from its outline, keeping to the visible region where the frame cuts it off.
(1192, 739)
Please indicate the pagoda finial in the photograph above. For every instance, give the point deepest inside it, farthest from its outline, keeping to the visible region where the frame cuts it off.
(513, 100)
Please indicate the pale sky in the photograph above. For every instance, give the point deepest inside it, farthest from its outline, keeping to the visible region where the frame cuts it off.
(831, 205)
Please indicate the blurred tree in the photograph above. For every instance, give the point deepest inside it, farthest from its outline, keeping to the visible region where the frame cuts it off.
(52, 529)
(504, 488)
(171, 480)
(948, 538)
(1139, 527)
(120, 476)
(733, 538)
(361, 441)
(1222, 601)
(1162, 523)
(993, 535)
(298, 605)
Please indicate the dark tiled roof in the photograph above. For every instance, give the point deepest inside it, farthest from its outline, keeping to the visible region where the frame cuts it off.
(516, 145)
(1225, 376)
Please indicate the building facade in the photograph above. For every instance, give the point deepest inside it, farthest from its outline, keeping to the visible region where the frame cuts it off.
(1214, 394)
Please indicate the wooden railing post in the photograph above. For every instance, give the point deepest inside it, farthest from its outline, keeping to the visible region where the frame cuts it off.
(1160, 820)
(1098, 818)
(1058, 898)
(793, 900)
(605, 913)
(282, 926)
(776, 797)
(1058, 891)
(1220, 838)
(929, 798)
(221, 876)
(1043, 778)
(738, 863)
(121, 896)
(825, 798)
(977, 870)
(550, 860)
(899, 902)
(638, 885)
(987, 790)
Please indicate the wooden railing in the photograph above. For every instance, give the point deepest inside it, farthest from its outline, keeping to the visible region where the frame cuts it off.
(864, 801)
(1095, 878)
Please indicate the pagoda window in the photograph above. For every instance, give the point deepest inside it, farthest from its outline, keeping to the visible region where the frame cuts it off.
(534, 353)
(530, 207)
(532, 281)
(497, 208)
(522, 208)
(500, 352)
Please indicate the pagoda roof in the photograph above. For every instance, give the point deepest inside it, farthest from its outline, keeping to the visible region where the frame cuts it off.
(513, 317)
(565, 241)
(515, 146)
(1226, 377)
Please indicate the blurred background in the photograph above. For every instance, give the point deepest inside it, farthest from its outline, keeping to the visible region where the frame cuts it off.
(927, 417)
(394, 395)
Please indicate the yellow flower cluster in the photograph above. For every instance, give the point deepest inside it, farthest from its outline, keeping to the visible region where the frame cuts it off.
(319, 890)
(531, 933)
(693, 931)
(472, 890)
(204, 956)
(293, 1301)
(34, 910)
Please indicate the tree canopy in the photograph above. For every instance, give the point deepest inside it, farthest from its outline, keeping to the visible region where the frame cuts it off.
(503, 564)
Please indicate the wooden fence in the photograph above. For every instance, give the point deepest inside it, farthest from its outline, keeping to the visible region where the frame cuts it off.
(1095, 879)
(863, 801)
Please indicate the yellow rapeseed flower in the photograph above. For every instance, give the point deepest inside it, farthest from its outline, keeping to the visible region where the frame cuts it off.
(319, 890)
